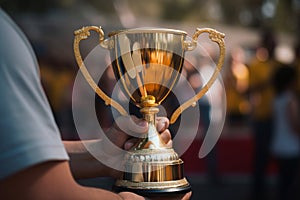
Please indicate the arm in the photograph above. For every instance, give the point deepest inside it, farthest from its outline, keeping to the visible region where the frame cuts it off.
(52, 180)
(82, 163)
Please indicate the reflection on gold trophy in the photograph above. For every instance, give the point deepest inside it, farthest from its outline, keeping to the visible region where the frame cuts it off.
(148, 62)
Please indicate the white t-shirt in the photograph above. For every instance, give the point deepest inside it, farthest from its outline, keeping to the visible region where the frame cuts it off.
(28, 132)
(285, 141)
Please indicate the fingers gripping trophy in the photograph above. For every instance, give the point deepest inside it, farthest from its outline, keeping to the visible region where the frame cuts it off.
(148, 62)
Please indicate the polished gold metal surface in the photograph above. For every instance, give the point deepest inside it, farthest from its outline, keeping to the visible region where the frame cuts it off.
(153, 166)
(153, 169)
(147, 30)
(152, 185)
(152, 139)
(148, 62)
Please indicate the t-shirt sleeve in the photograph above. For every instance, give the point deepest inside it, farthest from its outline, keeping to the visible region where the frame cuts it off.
(28, 132)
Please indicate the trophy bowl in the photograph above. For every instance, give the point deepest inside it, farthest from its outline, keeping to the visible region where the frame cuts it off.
(147, 63)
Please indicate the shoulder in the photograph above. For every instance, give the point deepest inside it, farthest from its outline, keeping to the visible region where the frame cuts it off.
(15, 47)
(29, 134)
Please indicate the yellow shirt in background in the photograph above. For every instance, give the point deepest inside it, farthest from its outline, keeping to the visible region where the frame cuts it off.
(261, 90)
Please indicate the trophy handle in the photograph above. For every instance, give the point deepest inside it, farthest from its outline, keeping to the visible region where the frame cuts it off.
(82, 34)
(214, 36)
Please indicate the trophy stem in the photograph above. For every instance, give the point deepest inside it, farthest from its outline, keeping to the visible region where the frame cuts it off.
(152, 139)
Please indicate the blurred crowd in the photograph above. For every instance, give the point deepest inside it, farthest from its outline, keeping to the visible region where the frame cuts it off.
(264, 94)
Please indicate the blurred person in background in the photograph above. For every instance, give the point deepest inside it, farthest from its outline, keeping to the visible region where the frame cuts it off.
(236, 82)
(297, 65)
(285, 145)
(34, 162)
(261, 96)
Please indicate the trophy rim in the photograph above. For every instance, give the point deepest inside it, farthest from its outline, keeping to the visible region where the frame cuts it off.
(147, 30)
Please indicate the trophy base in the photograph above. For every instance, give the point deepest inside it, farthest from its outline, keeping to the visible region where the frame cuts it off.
(155, 192)
(153, 172)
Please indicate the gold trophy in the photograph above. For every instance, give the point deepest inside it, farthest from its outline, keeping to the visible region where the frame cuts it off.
(148, 62)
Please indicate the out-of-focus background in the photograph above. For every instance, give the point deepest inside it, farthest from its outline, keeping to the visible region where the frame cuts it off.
(259, 33)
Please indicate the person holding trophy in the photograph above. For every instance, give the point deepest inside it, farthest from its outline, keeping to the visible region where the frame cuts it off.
(34, 162)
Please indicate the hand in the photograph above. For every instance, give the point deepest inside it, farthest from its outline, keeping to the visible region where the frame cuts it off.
(124, 134)
(101, 157)
(127, 131)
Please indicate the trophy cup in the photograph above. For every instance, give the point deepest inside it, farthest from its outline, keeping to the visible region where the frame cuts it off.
(148, 62)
